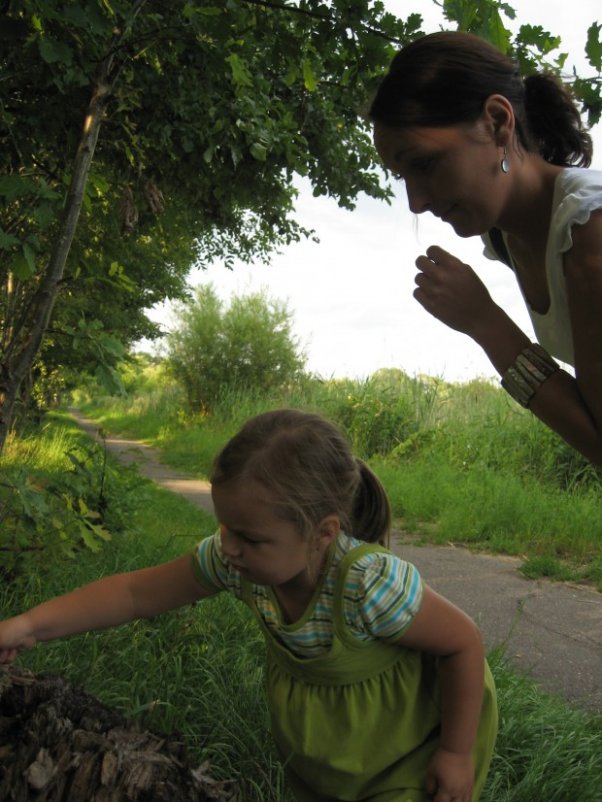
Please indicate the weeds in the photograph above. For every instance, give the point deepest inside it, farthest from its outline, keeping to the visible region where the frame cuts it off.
(58, 495)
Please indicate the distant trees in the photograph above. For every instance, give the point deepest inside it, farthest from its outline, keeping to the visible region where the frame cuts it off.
(215, 348)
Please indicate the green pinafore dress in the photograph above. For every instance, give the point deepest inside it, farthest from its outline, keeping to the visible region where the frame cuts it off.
(360, 722)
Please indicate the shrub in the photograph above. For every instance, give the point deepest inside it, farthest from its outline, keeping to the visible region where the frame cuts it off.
(247, 345)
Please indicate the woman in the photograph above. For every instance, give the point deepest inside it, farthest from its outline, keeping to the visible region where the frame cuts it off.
(502, 156)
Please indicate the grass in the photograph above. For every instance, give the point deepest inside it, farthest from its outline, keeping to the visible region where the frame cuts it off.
(198, 670)
(461, 463)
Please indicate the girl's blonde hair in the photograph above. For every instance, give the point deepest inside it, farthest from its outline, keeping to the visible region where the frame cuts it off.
(306, 464)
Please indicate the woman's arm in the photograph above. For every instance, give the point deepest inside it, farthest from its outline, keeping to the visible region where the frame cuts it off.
(452, 292)
(105, 603)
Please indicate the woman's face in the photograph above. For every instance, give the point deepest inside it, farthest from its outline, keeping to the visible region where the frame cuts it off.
(452, 172)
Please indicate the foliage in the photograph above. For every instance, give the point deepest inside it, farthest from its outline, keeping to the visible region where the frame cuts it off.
(461, 463)
(68, 498)
(533, 46)
(248, 344)
(382, 413)
(201, 115)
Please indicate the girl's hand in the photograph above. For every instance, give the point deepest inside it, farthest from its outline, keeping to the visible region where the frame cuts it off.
(450, 777)
(451, 291)
(15, 637)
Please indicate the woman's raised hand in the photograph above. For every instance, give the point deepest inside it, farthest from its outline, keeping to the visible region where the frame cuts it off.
(452, 292)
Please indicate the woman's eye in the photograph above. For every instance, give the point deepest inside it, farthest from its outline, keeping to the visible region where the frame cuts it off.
(423, 164)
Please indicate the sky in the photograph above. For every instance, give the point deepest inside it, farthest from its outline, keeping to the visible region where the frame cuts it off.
(350, 296)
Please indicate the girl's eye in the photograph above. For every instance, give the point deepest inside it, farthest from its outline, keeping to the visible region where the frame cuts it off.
(252, 540)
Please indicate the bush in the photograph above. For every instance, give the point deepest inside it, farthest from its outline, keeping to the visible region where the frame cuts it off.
(59, 499)
(247, 345)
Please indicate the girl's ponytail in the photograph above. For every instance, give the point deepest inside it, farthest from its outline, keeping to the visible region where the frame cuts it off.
(371, 515)
(554, 123)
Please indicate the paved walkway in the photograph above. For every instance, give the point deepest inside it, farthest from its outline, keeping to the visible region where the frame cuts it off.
(550, 631)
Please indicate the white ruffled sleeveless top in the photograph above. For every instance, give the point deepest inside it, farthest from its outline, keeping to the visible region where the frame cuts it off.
(577, 192)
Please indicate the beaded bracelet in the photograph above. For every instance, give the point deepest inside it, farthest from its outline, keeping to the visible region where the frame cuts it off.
(530, 370)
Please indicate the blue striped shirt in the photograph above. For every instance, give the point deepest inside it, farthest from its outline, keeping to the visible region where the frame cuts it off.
(381, 596)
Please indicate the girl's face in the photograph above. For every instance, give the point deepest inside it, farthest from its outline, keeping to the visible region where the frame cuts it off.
(264, 548)
(452, 172)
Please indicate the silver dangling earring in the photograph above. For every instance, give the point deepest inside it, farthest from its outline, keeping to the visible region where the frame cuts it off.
(505, 164)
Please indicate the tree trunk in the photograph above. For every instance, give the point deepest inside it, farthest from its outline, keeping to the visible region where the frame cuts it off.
(23, 348)
(19, 359)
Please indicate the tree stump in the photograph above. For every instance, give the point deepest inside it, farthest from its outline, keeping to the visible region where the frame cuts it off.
(61, 744)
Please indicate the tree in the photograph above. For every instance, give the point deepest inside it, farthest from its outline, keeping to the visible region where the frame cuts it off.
(200, 112)
(216, 349)
(138, 138)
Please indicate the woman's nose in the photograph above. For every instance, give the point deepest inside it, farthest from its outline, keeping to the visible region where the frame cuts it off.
(418, 198)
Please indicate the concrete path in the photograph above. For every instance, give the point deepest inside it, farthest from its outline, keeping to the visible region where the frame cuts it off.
(551, 631)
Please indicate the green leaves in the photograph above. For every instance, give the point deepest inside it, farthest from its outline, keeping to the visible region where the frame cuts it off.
(55, 52)
(215, 349)
(483, 18)
(309, 78)
(16, 186)
(7, 241)
(24, 266)
(240, 73)
(593, 48)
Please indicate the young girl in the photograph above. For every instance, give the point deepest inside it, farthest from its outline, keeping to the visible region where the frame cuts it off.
(377, 687)
(491, 153)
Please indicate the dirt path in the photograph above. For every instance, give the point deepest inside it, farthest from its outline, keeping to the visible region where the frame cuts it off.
(550, 631)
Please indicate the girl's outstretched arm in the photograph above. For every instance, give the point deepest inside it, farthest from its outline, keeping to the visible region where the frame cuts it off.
(443, 629)
(105, 603)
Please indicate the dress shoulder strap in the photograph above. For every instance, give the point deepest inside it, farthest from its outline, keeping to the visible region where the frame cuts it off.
(352, 556)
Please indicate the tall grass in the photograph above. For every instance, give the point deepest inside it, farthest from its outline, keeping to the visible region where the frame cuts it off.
(461, 463)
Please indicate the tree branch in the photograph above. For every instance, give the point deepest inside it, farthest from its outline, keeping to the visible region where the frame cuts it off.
(315, 15)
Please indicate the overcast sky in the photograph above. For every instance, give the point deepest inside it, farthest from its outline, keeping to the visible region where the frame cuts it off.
(351, 295)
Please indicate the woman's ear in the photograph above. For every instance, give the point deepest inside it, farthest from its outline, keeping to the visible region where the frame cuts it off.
(498, 118)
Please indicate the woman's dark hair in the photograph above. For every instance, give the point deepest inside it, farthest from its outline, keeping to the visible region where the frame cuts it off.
(445, 78)
(306, 464)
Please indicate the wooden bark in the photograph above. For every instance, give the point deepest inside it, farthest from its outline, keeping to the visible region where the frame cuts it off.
(60, 744)
(26, 338)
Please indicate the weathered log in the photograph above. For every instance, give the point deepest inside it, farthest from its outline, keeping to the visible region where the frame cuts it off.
(61, 744)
